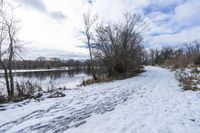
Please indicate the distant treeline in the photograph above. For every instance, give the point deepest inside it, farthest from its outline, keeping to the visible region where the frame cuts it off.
(186, 54)
(43, 63)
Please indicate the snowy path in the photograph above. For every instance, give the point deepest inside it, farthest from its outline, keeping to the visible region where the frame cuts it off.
(150, 103)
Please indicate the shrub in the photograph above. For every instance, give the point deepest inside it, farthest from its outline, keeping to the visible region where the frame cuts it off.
(27, 89)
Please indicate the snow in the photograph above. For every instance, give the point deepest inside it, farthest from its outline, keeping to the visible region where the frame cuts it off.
(152, 102)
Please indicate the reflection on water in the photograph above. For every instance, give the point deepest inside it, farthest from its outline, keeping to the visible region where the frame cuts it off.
(69, 79)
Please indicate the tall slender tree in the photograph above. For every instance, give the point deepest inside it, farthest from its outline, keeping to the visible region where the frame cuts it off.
(9, 44)
(89, 22)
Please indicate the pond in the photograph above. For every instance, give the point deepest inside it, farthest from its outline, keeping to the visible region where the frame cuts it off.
(59, 78)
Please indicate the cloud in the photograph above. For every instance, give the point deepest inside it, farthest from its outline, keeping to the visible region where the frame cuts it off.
(178, 38)
(39, 5)
(187, 14)
(171, 21)
(50, 53)
(89, 1)
(165, 3)
(58, 15)
(179, 24)
(35, 4)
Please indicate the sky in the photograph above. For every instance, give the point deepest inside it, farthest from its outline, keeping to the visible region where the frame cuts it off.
(51, 28)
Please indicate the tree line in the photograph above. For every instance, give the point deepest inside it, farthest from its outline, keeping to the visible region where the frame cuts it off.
(44, 63)
(183, 55)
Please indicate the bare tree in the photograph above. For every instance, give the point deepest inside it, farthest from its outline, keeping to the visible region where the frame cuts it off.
(89, 22)
(119, 45)
(186, 54)
(9, 44)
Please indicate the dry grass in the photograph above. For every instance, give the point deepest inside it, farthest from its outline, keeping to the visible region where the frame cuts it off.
(190, 80)
(23, 90)
(105, 78)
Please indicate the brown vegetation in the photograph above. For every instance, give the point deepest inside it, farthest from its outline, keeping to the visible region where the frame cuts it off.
(105, 78)
(189, 78)
(186, 54)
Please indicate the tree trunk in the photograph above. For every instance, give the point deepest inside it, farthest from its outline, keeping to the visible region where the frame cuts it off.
(91, 69)
(11, 82)
(7, 83)
(10, 64)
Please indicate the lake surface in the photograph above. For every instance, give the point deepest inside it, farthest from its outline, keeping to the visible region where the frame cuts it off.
(60, 78)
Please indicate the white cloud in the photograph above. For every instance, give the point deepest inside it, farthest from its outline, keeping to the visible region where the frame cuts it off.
(36, 4)
(175, 39)
(159, 16)
(43, 30)
(158, 23)
(165, 3)
(46, 33)
(174, 27)
(113, 10)
(187, 13)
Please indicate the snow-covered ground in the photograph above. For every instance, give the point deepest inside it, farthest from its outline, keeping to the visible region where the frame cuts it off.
(152, 102)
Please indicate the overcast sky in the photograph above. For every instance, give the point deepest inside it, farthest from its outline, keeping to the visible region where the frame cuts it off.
(53, 26)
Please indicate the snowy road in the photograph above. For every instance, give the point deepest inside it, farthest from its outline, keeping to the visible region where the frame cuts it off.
(149, 103)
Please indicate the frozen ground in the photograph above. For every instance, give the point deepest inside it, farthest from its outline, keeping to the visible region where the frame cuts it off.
(150, 103)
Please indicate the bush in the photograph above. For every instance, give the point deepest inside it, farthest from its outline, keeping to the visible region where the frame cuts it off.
(106, 78)
(119, 46)
(26, 90)
(3, 99)
(189, 79)
(56, 94)
(197, 60)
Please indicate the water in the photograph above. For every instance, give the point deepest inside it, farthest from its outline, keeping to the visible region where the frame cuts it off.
(62, 78)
